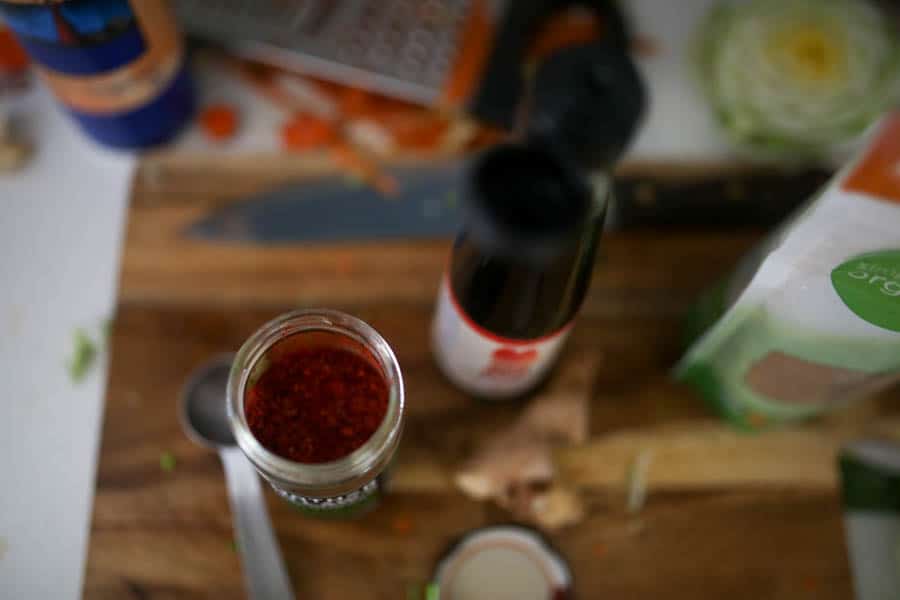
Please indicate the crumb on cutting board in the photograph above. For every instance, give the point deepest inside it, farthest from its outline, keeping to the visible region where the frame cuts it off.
(402, 525)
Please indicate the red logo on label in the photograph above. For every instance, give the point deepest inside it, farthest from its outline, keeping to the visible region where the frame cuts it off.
(509, 361)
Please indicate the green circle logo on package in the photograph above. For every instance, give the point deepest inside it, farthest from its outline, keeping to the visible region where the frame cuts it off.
(870, 287)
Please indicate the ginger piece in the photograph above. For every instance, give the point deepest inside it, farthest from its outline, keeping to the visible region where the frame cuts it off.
(511, 459)
(556, 508)
(515, 468)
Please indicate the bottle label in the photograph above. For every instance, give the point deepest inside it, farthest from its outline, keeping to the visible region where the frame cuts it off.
(100, 57)
(483, 363)
(869, 285)
(347, 505)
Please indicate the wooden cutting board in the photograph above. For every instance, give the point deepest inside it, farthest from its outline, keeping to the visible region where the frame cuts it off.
(728, 516)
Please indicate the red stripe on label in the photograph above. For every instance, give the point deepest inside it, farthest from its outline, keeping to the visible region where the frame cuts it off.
(492, 336)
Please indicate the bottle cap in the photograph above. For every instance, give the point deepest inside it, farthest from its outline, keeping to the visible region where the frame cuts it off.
(526, 201)
(500, 563)
(586, 101)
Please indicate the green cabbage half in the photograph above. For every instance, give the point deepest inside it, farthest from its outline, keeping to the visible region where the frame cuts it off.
(798, 77)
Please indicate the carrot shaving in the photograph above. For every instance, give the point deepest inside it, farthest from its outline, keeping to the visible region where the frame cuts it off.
(423, 134)
(354, 102)
(304, 132)
(219, 121)
(346, 157)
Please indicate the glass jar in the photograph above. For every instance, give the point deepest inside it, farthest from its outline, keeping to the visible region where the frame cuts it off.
(350, 484)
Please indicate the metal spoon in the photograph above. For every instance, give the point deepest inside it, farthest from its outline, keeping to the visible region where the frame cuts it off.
(204, 419)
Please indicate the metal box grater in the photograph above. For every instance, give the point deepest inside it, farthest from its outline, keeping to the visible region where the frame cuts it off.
(401, 48)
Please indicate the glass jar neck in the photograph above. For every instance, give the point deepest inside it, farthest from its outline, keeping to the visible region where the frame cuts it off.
(340, 476)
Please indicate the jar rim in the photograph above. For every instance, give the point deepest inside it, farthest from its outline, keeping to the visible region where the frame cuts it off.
(348, 472)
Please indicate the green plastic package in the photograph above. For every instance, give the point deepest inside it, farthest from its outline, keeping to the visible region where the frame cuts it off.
(811, 319)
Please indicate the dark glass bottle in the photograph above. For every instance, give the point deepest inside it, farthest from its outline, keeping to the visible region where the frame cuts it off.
(519, 271)
(523, 269)
(522, 264)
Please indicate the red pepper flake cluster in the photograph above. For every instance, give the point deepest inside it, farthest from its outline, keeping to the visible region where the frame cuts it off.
(315, 405)
(402, 525)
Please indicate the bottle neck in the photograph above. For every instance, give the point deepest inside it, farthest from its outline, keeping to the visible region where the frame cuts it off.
(522, 265)
(520, 299)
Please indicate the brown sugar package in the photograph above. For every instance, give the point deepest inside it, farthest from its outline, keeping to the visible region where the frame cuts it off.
(811, 320)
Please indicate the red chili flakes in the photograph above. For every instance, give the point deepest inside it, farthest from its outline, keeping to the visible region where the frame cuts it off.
(219, 121)
(402, 525)
(315, 405)
(344, 266)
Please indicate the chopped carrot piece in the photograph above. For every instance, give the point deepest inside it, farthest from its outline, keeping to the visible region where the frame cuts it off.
(347, 158)
(219, 121)
(354, 102)
(304, 132)
(425, 134)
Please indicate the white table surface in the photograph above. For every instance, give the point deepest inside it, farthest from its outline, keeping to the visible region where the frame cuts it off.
(60, 227)
(61, 222)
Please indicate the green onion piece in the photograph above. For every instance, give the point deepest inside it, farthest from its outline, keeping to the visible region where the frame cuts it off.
(432, 592)
(167, 462)
(83, 356)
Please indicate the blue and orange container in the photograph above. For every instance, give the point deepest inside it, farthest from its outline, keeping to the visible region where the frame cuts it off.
(118, 66)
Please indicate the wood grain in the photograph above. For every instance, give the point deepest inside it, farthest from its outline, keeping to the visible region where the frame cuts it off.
(160, 265)
(168, 535)
(728, 516)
